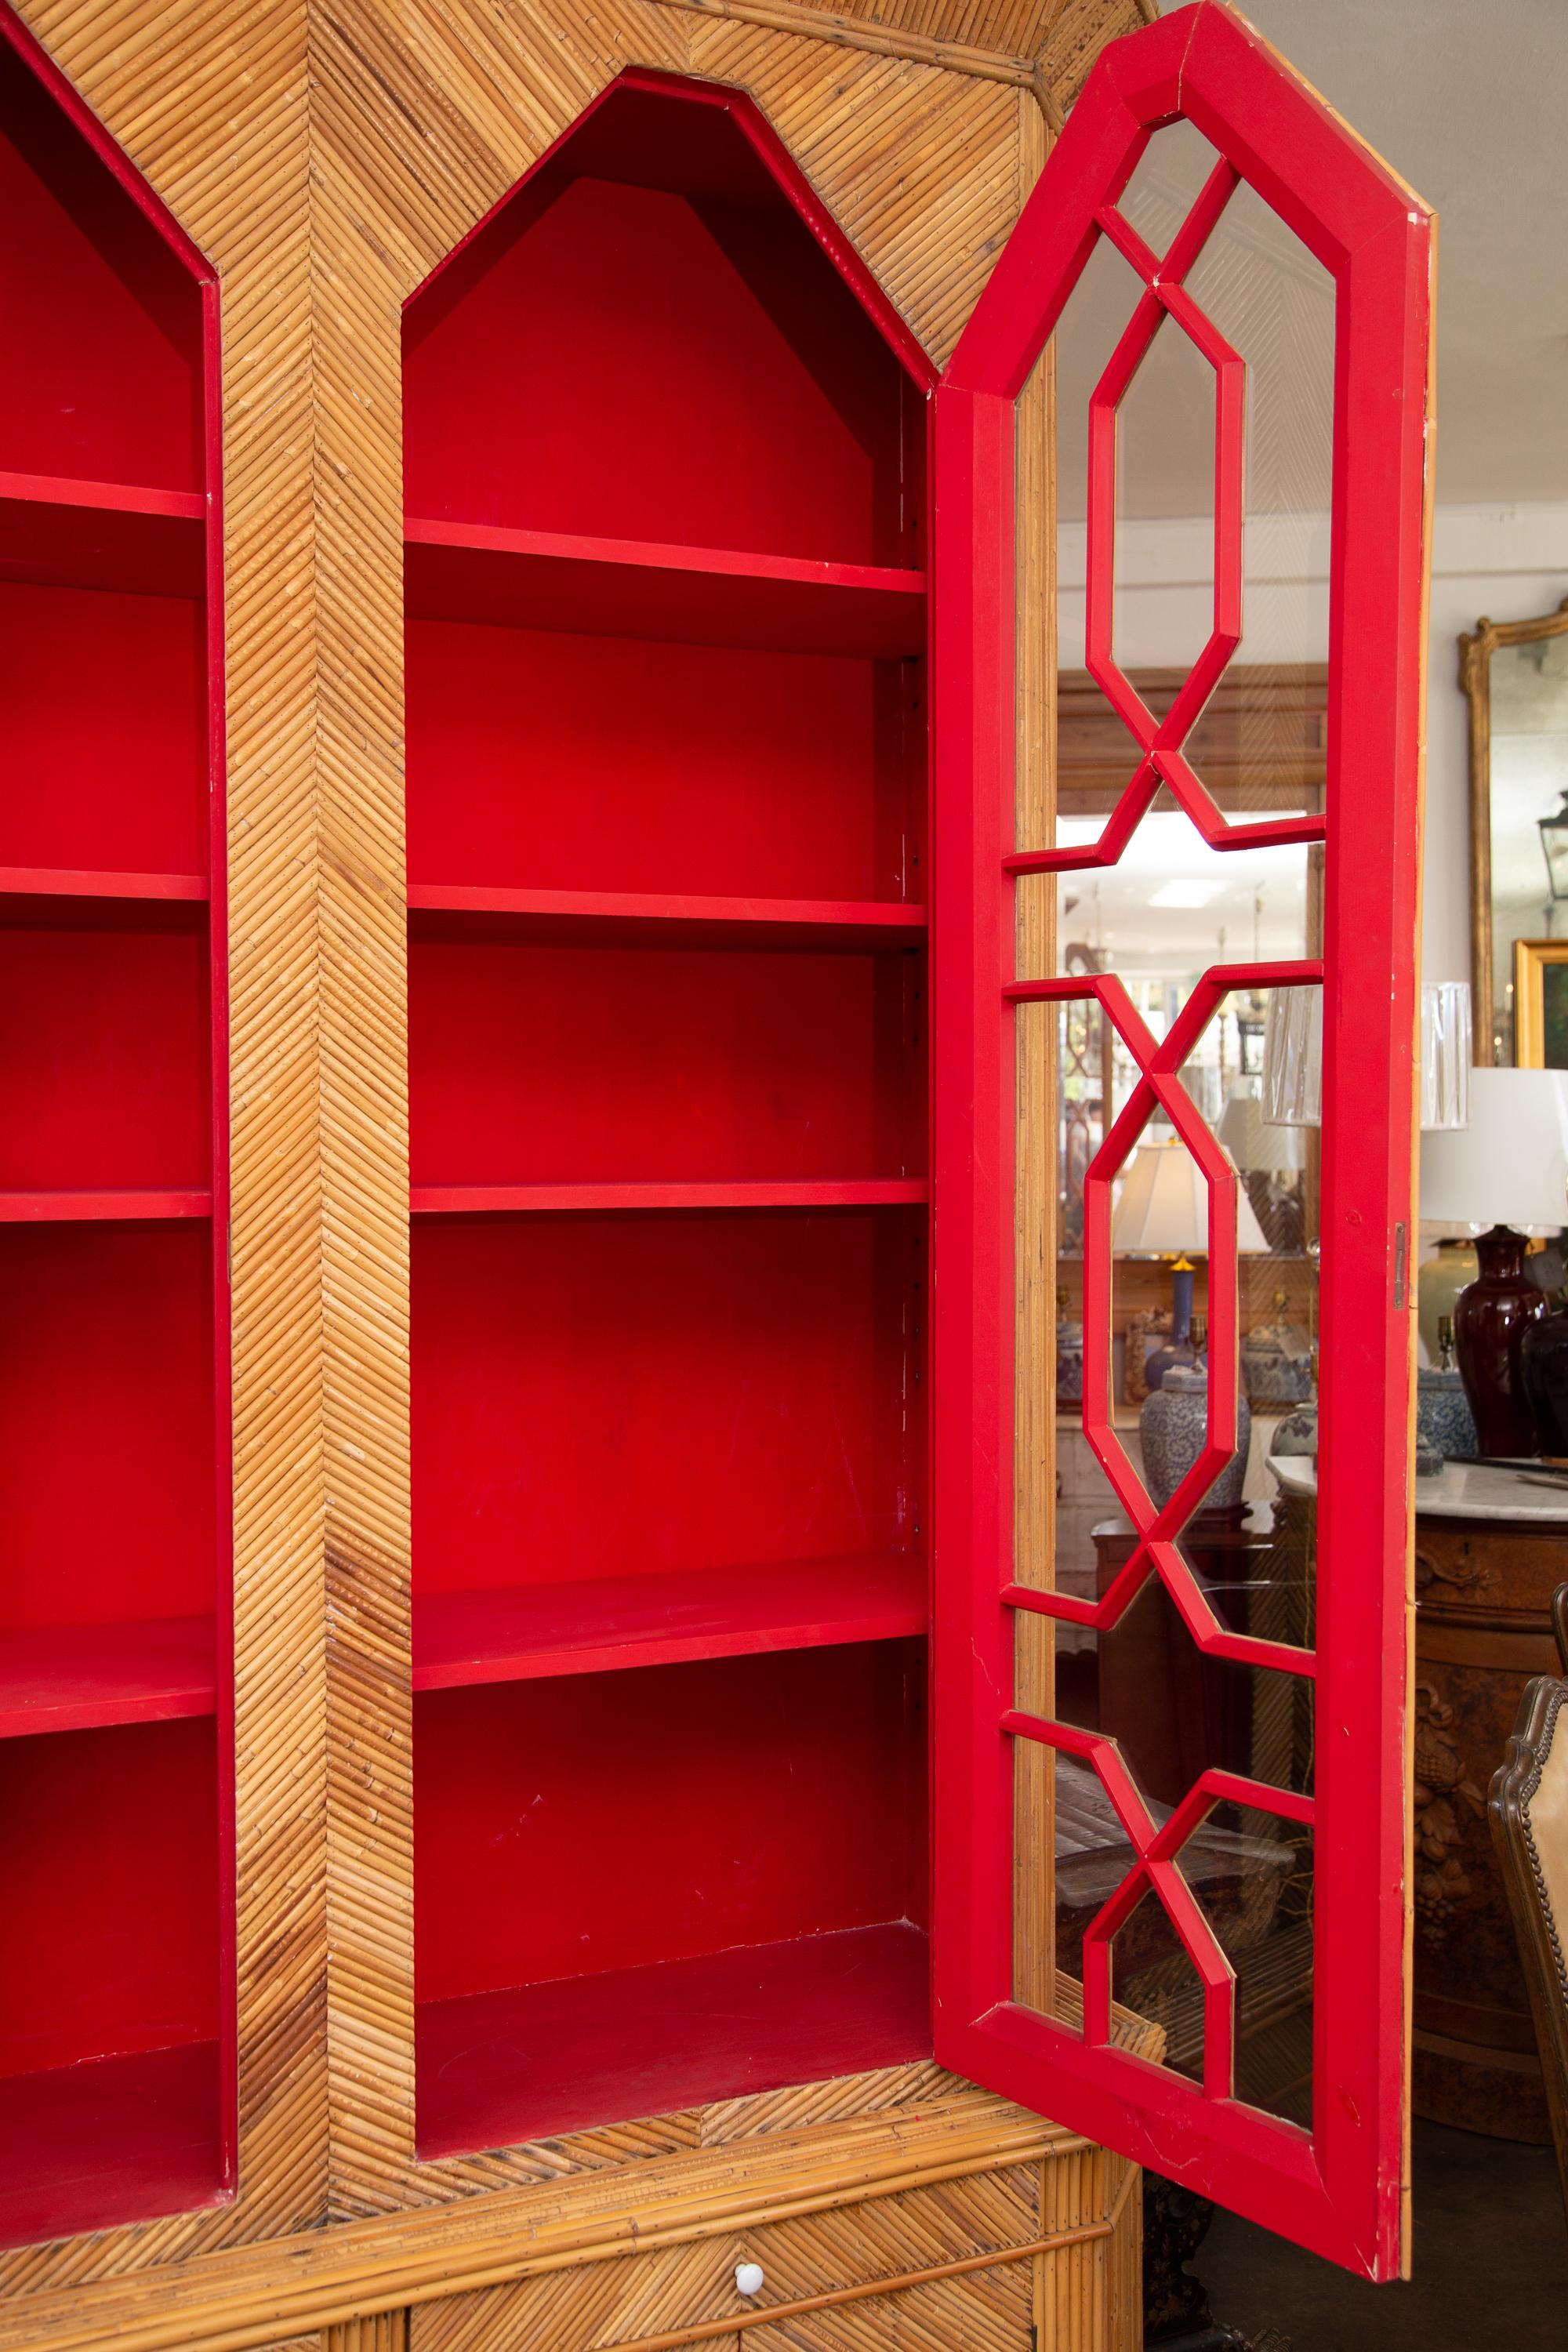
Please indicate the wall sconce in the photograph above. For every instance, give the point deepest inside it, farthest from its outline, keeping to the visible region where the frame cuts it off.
(1554, 848)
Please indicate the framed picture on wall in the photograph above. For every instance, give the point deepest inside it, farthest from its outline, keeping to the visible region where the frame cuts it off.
(1541, 1003)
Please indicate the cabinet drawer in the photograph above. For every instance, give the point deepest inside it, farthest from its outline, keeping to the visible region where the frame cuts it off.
(627, 2300)
(980, 2311)
(1503, 1575)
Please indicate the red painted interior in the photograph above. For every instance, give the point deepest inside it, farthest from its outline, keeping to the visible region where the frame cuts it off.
(604, 1396)
(580, 2051)
(660, 1064)
(115, 1966)
(711, 382)
(107, 315)
(102, 701)
(659, 918)
(103, 1060)
(106, 1412)
(667, 1073)
(111, 2141)
(520, 1633)
(577, 762)
(561, 1837)
(80, 1677)
(109, 1852)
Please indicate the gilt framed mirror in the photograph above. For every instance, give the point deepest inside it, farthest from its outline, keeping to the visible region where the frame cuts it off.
(1515, 675)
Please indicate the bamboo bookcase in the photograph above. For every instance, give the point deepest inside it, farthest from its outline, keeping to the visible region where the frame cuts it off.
(324, 160)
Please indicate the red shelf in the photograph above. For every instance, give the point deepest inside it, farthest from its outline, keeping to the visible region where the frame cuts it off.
(61, 533)
(521, 1632)
(558, 1199)
(633, 588)
(48, 897)
(498, 2068)
(438, 910)
(73, 1208)
(89, 1677)
(109, 2141)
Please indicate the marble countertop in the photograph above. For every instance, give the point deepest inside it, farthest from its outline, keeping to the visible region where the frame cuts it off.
(1461, 1490)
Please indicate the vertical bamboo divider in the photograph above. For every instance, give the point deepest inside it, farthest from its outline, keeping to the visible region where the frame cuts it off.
(406, 155)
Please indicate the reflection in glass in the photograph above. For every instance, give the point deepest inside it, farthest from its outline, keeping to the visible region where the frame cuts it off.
(1169, 908)
(1529, 778)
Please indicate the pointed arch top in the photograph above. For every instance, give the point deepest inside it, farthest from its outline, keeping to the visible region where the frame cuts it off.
(729, 150)
(28, 52)
(1206, 65)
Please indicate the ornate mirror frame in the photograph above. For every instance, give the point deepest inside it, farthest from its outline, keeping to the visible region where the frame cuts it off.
(1476, 651)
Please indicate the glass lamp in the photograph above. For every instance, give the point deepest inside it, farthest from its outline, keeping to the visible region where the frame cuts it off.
(1271, 1159)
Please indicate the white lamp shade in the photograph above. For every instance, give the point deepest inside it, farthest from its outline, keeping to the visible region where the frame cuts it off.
(1509, 1166)
(1253, 1141)
(1163, 1211)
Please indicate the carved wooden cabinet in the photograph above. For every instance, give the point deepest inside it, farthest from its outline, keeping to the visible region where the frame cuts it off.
(1483, 1628)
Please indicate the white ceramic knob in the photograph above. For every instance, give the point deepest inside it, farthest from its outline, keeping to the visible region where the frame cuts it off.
(748, 2278)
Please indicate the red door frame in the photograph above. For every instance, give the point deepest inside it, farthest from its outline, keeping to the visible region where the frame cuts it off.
(1338, 2189)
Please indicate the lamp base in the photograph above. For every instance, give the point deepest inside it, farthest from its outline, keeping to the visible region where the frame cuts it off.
(1178, 1349)
(1490, 1317)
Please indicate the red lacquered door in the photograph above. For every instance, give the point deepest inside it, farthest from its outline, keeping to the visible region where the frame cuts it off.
(1179, 1751)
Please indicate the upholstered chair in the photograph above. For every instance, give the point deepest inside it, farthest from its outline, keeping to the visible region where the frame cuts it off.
(1529, 1809)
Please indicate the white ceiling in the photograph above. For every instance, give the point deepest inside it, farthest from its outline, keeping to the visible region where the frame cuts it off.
(1468, 99)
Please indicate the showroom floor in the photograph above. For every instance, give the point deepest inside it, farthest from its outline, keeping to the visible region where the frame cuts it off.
(1490, 2263)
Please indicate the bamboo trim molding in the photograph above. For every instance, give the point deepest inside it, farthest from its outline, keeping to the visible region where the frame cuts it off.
(251, 2297)
(880, 40)
(799, 17)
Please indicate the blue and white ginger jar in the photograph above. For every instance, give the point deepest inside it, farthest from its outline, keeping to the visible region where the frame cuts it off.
(1174, 1427)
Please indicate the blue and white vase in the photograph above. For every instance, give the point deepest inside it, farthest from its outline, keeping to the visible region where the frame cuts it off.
(1443, 1421)
(1298, 1432)
(1174, 1427)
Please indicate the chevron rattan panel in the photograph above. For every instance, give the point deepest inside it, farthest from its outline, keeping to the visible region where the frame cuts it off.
(325, 157)
(649, 2296)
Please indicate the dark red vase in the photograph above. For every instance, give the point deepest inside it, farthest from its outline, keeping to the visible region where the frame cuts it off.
(1492, 1316)
(1543, 1365)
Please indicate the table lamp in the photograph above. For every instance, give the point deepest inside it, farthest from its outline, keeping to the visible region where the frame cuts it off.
(1507, 1169)
(1268, 1156)
(1163, 1212)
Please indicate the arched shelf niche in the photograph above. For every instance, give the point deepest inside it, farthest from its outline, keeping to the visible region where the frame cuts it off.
(116, 1969)
(667, 782)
